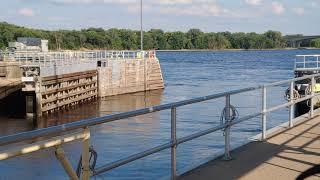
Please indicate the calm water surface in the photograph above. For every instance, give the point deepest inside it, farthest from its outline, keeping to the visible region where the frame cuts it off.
(186, 75)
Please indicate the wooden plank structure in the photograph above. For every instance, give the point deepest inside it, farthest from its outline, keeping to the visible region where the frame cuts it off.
(62, 91)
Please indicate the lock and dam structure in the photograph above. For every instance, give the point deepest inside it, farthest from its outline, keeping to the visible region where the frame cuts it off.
(54, 81)
(281, 152)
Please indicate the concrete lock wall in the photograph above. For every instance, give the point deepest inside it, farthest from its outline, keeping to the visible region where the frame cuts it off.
(112, 77)
(106, 78)
(123, 76)
(10, 69)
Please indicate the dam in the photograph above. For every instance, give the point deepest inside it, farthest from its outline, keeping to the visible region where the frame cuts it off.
(53, 81)
(275, 152)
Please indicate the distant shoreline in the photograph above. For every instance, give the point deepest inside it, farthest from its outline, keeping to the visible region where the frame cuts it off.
(217, 50)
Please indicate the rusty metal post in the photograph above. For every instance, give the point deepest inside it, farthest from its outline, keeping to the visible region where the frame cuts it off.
(65, 163)
(85, 154)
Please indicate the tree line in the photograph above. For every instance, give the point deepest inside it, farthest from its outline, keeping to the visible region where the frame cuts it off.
(315, 43)
(125, 39)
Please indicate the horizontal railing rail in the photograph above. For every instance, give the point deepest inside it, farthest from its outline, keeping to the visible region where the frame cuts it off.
(303, 62)
(43, 57)
(172, 144)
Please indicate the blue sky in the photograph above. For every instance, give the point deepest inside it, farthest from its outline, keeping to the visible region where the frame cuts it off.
(287, 16)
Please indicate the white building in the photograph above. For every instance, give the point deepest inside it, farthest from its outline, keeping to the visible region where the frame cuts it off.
(29, 44)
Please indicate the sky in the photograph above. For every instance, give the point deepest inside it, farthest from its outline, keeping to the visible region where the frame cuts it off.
(287, 16)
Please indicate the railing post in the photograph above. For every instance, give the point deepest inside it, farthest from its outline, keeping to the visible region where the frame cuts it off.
(174, 141)
(291, 110)
(227, 155)
(65, 163)
(85, 154)
(264, 113)
(312, 94)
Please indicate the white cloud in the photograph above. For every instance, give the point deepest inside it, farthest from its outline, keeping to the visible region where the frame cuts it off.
(59, 19)
(135, 8)
(205, 8)
(253, 2)
(71, 1)
(299, 10)
(201, 8)
(180, 7)
(173, 2)
(26, 12)
(314, 4)
(120, 1)
(94, 1)
(277, 8)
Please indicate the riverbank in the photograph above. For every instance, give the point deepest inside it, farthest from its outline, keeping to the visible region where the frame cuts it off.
(203, 50)
(213, 50)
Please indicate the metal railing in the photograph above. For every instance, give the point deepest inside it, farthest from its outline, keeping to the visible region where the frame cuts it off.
(84, 133)
(47, 57)
(305, 62)
(64, 62)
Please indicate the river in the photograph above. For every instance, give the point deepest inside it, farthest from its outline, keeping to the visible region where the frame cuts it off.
(186, 75)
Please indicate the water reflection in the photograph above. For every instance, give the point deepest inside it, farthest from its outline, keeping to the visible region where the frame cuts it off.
(109, 105)
(104, 106)
(111, 134)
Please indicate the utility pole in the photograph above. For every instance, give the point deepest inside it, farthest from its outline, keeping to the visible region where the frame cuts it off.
(141, 26)
(141, 44)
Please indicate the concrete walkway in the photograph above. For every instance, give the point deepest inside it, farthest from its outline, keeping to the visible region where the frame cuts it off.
(285, 155)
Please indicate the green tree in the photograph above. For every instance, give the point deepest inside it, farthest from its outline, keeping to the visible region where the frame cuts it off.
(274, 39)
(315, 43)
(116, 42)
(118, 39)
(195, 36)
(159, 39)
(129, 39)
(176, 40)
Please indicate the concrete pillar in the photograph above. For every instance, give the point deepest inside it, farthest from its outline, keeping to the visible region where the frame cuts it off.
(38, 98)
(30, 107)
(299, 44)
